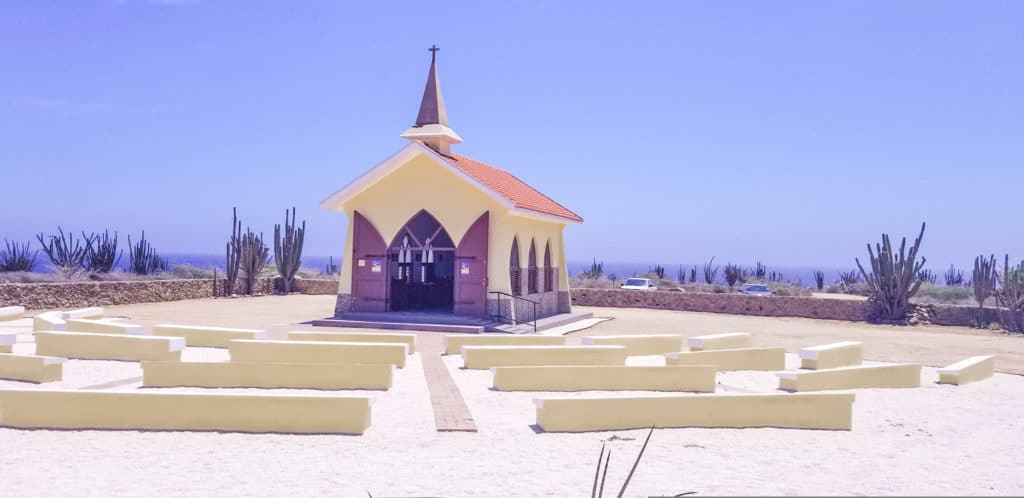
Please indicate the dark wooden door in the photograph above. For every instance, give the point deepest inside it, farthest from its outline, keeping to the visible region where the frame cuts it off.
(369, 266)
(471, 269)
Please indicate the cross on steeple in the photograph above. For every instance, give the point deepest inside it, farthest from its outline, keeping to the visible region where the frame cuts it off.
(433, 53)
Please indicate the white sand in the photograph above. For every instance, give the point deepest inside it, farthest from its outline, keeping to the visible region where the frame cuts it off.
(942, 440)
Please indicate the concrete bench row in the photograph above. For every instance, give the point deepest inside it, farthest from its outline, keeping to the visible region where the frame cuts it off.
(790, 411)
(7, 342)
(90, 346)
(694, 378)
(396, 338)
(892, 376)
(31, 368)
(267, 375)
(769, 359)
(176, 411)
(483, 357)
(8, 313)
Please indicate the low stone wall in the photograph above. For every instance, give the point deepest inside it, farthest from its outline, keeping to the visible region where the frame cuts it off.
(738, 304)
(81, 294)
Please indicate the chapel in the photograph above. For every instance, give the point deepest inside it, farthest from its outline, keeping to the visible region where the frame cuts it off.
(435, 231)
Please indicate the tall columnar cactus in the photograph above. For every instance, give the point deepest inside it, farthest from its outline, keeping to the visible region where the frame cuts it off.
(1010, 296)
(254, 256)
(66, 254)
(819, 279)
(983, 279)
(103, 256)
(894, 278)
(288, 250)
(233, 251)
(142, 257)
(710, 271)
(15, 257)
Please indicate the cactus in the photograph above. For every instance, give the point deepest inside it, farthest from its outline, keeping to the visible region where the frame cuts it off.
(819, 279)
(66, 254)
(760, 272)
(656, 270)
(733, 274)
(983, 279)
(710, 271)
(894, 278)
(253, 257)
(693, 275)
(288, 251)
(928, 276)
(595, 271)
(16, 257)
(103, 254)
(233, 251)
(143, 259)
(331, 267)
(1010, 296)
(954, 277)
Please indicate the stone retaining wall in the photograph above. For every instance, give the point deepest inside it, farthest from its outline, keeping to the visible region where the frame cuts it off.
(81, 294)
(739, 304)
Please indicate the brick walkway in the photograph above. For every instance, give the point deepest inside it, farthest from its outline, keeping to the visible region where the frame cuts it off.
(450, 410)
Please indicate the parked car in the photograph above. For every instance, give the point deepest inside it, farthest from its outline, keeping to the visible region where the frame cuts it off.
(638, 284)
(755, 290)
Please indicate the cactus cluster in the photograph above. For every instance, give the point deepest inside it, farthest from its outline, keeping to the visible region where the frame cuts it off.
(143, 258)
(103, 255)
(288, 249)
(894, 278)
(66, 253)
(1010, 296)
(15, 257)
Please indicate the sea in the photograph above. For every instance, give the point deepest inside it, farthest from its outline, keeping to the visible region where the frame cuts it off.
(796, 274)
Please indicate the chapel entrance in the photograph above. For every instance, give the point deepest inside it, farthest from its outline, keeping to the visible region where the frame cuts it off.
(421, 267)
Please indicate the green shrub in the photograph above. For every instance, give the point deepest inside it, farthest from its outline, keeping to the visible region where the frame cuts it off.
(186, 270)
(942, 294)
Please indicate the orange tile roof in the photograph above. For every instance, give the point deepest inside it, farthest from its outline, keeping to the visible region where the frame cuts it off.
(512, 188)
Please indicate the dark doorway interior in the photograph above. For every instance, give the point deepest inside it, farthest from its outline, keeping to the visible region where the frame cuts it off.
(421, 266)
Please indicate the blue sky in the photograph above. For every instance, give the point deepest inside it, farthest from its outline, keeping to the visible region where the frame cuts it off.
(787, 132)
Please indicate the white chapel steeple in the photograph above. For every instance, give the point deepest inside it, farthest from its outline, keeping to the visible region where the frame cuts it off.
(431, 128)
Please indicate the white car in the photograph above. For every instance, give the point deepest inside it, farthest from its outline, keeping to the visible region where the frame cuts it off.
(638, 284)
(755, 290)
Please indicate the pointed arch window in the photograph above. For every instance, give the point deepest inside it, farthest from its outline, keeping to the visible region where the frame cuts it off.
(549, 272)
(531, 270)
(515, 272)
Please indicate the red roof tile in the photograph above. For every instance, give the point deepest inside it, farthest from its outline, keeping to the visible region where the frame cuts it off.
(512, 188)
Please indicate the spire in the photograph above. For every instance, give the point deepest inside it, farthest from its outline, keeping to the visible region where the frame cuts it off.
(431, 126)
(432, 107)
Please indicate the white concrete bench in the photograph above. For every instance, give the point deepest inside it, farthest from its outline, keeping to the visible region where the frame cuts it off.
(89, 346)
(48, 321)
(314, 413)
(94, 312)
(477, 357)
(102, 327)
(788, 411)
(638, 345)
(209, 337)
(835, 355)
(266, 375)
(720, 341)
(31, 368)
(399, 338)
(8, 313)
(453, 342)
(900, 375)
(317, 352)
(696, 378)
(969, 370)
(768, 359)
(7, 342)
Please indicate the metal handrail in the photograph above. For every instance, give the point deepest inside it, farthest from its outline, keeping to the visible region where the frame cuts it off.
(512, 297)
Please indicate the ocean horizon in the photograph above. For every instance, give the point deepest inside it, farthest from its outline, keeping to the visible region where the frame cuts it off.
(803, 275)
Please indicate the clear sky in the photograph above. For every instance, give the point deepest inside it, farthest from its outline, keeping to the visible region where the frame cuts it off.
(787, 132)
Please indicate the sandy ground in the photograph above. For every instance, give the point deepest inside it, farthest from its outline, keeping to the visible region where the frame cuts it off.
(940, 440)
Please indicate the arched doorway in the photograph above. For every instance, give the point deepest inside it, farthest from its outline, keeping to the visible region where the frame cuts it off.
(421, 266)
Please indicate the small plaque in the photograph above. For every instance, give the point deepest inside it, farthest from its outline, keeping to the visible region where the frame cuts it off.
(375, 266)
(464, 268)
(362, 262)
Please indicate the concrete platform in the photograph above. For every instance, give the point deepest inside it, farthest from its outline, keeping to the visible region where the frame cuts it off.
(383, 337)
(453, 343)
(834, 355)
(969, 370)
(638, 345)
(89, 346)
(31, 368)
(767, 359)
(205, 336)
(317, 352)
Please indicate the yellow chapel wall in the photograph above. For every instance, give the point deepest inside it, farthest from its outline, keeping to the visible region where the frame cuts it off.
(423, 184)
